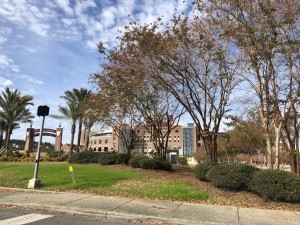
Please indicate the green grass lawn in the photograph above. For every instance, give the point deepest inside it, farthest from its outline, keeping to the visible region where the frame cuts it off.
(96, 179)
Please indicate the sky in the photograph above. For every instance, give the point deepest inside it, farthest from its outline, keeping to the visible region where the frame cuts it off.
(50, 46)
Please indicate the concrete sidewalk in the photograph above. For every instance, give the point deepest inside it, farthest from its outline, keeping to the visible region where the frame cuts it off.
(144, 210)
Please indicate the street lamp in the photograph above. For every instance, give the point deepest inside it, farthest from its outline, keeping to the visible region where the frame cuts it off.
(43, 111)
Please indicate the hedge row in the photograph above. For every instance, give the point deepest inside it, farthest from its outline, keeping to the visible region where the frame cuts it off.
(137, 161)
(99, 157)
(144, 162)
(269, 184)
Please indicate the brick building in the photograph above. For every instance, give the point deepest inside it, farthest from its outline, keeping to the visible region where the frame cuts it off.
(183, 139)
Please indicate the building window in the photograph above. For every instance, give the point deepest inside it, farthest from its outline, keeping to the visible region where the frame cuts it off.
(99, 142)
(106, 141)
(94, 142)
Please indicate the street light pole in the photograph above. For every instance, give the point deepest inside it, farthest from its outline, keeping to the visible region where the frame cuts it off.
(37, 158)
(35, 182)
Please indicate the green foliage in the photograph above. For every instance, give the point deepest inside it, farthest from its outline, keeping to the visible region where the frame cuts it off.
(231, 176)
(135, 160)
(166, 165)
(94, 160)
(84, 157)
(276, 185)
(51, 153)
(154, 164)
(201, 170)
(183, 160)
(123, 158)
(108, 159)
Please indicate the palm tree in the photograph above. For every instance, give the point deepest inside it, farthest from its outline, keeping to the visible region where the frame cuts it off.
(78, 97)
(69, 112)
(88, 123)
(13, 111)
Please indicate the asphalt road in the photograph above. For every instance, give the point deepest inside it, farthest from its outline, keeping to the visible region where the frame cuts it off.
(14, 216)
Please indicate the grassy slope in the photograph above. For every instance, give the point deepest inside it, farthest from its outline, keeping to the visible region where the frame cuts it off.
(97, 179)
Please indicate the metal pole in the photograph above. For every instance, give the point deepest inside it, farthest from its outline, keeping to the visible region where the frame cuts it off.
(37, 159)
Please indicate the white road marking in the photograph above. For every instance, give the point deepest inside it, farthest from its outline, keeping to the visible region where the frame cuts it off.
(29, 218)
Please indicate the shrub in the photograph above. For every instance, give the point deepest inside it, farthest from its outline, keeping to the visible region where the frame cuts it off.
(183, 160)
(154, 164)
(123, 158)
(231, 176)
(84, 157)
(51, 153)
(135, 160)
(108, 159)
(94, 160)
(166, 165)
(201, 170)
(276, 185)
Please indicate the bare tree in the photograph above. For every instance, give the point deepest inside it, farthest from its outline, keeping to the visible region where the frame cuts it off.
(267, 34)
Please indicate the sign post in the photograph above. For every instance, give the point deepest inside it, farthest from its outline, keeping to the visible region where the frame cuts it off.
(43, 111)
(72, 175)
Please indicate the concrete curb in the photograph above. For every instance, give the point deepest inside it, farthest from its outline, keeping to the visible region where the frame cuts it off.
(113, 207)
(106, 214)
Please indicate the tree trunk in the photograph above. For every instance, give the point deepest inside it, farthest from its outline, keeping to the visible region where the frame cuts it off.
(87, 139)
(79, 134)
(297, 161)
(7, 139)
(277, 139)
(210, 146)
(269, 150)
(1, 138)
(73, 129)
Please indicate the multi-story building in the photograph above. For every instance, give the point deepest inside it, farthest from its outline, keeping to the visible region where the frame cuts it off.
(104, 142)
(144, 143)
(182, 139)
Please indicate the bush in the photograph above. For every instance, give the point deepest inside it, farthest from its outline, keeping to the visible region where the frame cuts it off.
(201, 170)
(135, 160)
(231, 176)
(123, 158)
(154, 164)
(84, 157)
(109, 159)
(166, 165)
(183, 160)
(276, 185)
(51, 153)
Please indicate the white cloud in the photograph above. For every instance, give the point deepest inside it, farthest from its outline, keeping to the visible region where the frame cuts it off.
(65, 5)
(29, 91)
(82, 6)
(108, 17)
(29, 49)
(8, 64)
(31, 80)
(4, 33)
(23, 13)
(5, 61)
(5, 82)
(2, 40)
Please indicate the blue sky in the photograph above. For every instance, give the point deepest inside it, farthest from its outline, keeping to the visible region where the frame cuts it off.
(47, 47)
